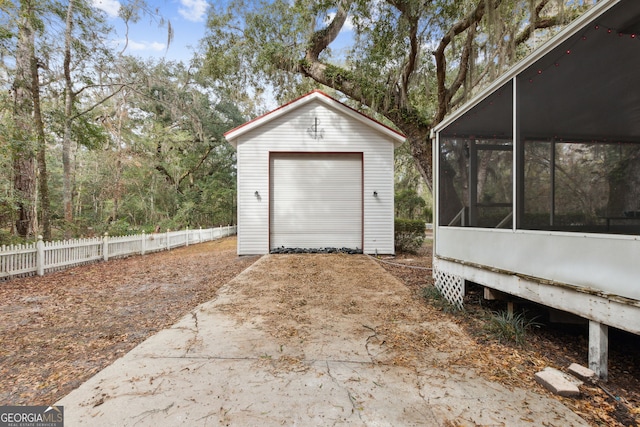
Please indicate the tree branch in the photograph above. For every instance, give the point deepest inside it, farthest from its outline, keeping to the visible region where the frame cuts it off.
(196, 166)
(536, 22)
(410, 67)
(460, 98)
(160, 168)
(323, 38)
(102, 101)
(464, 65)
(469, 21)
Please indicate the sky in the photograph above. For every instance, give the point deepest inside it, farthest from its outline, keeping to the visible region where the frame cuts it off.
(188, 20)
(148, 39)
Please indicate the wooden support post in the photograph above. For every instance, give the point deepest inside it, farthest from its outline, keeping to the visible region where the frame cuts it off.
(495, 295)
(598, 348)
(510, 308)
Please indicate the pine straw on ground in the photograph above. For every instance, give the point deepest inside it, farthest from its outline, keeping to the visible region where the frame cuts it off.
(60, 329)
(306, 302)
(613, 403)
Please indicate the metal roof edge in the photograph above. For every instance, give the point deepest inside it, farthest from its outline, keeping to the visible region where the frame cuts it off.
(570, 30)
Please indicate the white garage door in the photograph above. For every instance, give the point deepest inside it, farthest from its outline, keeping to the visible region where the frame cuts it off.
(315, 200)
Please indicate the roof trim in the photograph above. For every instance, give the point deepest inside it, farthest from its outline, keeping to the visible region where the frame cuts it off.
(571, 29)
(233, 134)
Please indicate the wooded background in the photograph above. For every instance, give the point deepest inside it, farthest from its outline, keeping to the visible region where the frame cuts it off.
(93, 140)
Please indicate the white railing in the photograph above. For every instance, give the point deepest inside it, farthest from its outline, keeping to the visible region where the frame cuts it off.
(43, 257)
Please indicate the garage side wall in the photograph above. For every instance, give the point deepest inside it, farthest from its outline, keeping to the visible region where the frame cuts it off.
(299, 132)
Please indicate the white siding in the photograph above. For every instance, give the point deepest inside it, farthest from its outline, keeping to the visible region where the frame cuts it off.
(340, 134)
(321, 209)
(604, 263)
(596, 306)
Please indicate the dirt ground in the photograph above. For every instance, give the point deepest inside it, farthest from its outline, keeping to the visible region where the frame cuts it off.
(60, 329)
(614, 403)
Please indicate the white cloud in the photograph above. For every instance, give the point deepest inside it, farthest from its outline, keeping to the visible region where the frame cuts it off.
(109, 6)
(144, 45)
(193, 10)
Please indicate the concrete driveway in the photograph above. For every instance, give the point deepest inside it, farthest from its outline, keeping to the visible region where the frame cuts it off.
(306, 340)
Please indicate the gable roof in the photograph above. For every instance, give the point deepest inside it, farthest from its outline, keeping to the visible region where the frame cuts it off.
(233, 134)
(582, 83)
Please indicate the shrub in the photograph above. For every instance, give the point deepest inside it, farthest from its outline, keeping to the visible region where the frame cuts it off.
(7, 238)
(409, 234)
(119, 228)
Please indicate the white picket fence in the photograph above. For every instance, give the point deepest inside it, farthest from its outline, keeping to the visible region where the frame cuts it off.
(44, 257)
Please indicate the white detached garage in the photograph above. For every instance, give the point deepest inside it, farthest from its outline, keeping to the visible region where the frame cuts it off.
(315, 174)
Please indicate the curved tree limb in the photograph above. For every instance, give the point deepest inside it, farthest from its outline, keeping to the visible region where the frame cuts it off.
(321, 39)
(468, 22)
(537, 22)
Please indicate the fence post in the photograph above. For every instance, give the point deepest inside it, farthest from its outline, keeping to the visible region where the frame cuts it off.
(40, 256)
(187, 237)
(168, 243)
(105, 247)
(143, 247)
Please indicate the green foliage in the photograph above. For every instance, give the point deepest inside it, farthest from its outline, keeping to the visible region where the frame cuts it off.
(409, 234)
(8, 238)
(410, 205)
(142, 141)
(510, 328)
(120, 228)
(412, 198)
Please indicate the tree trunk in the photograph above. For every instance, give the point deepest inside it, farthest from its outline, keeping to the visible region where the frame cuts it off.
(43, 176)
(421, 150)
(23, 146)
(67, 190)
(24, 182)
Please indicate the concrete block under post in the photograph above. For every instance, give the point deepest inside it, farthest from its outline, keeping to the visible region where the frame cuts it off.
(598, 348)
(558, 382)
(585, 374)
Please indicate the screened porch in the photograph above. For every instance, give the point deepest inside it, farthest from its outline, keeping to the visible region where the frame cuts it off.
(566, 126)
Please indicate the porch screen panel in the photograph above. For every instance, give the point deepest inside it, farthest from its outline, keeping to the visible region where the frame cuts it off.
(475, 175)
(576, 186)
(476, 182)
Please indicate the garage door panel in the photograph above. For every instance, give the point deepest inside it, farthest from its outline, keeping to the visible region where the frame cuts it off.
(316, 200)
(318, 241)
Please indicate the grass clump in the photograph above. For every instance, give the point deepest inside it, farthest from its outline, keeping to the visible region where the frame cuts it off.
(508, 327)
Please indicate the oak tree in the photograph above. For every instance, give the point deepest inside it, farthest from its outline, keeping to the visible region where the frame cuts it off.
(410, 61)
